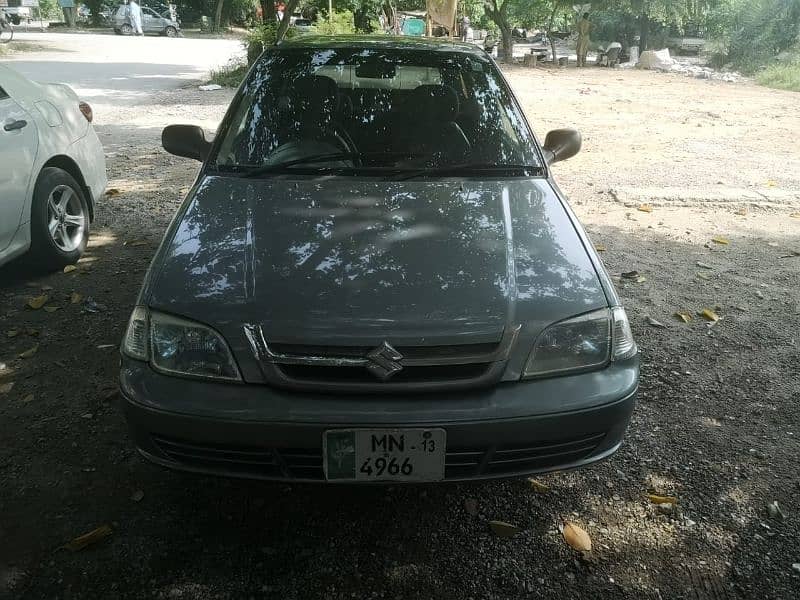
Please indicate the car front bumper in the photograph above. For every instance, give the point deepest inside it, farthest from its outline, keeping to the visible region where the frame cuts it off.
(259, 432)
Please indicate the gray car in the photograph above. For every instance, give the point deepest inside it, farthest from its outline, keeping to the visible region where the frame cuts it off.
(152, 22)
(375, 278)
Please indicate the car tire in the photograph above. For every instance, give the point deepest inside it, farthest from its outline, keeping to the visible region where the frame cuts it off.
(59, 220)
(170, 31)
(126, 29)
(117, 31)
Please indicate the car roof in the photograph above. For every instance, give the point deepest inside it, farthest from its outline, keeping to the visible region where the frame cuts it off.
(385, 42)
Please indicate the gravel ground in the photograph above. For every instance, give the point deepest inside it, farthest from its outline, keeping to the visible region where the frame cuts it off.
(717, 425)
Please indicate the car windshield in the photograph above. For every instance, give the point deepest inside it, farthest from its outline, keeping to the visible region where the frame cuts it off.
(369, 109)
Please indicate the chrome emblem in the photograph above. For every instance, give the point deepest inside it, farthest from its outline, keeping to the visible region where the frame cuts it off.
(383, 361)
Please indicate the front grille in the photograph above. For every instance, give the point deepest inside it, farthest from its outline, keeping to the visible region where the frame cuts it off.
(381, 367)
(306, 463)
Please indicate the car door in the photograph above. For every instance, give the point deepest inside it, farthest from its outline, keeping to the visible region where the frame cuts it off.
(18, 143)
(151, 22)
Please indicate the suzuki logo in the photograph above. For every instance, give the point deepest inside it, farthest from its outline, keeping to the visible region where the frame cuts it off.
(383, 361)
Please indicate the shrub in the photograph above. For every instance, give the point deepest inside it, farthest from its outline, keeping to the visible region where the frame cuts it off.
(341, 23)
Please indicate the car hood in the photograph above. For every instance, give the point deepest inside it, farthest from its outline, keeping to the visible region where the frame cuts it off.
(360, 260)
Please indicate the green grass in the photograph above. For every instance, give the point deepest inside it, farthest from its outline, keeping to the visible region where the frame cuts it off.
(16, 47)
(229, 76)
(783, 77)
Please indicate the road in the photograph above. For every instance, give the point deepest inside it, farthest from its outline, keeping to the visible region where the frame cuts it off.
(119, 70)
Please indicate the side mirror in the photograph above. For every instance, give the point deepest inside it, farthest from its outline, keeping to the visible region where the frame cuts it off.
(561, 144)
(185, 140)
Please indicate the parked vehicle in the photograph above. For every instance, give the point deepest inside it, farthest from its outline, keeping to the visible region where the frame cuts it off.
(52, 171)
(6, 28)
(688, 41)
(17, 14)
(374, 277)
(303, 25)
(152, 22)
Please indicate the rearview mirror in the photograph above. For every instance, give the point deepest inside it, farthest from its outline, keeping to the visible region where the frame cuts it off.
(561, 144)
(185, 140)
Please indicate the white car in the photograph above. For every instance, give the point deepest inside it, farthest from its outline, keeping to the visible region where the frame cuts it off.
(52, 171)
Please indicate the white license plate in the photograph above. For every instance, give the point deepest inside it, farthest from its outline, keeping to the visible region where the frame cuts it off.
(384, 454)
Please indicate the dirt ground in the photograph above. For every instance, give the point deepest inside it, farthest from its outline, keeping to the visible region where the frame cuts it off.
(717, 424)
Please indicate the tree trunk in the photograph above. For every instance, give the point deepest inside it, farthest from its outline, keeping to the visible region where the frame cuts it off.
(643, 30)
(550, 27)
(69, 16)
(508, 43)
(267, 11)
(287, 18)
(218, 16)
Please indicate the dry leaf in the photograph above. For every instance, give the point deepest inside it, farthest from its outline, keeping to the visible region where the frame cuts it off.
(771, 183)
(600, 247)
(654, 323)
(630, 275)
(709, 315)
(6, 387)
(38, 302)
(137, 496)
(94, 536)
(503, 529)
(135, 243)
(742, 211)
(795, 215)
(471, 506)
(538, 486)
(75, 298)
(51, 308)
(705, 276)
(69, 268)
(28, 398)
(111, 192)
(29, 353)
(703, 265)
(645, 208)
(641, 279)
(656, 499)
(718, 239)
(32, 331)
(12, 333)
(576, 537)
(684, 316)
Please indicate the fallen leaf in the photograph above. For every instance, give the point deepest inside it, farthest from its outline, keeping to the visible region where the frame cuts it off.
(6, 387)
(771, 183)
(538, 486)
(641, 279)
(742, 211)
(656, 499)
(630, 275)
(94, 536)
(32, 331)
(69, 268)
(600, 247)
(709, 315)
(471, 506)
(503, 529)
(684, 316)
(38, 302)
(111, 192)
(773, 244)
(703, 265)
(645, 208)
(705, 276)
(75, 298)
(28, 398)
(105, 346)
(576, 537)
(795, 215)
(137, 496)
(29, 353)
(51, 308)
(654, 323)
(135, 243)
(720, 240)
(12, 333)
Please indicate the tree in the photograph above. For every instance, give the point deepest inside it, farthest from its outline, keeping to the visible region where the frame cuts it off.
(497, 11)
(218, 16)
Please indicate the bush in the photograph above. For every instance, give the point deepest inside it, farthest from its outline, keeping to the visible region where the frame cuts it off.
(761, 30)
(341, 23)
(784, 76)
(262, 37)
(230, 75)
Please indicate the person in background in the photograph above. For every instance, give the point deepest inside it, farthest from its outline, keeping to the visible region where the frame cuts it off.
(135, 16)
(466, 24)
(584, 29)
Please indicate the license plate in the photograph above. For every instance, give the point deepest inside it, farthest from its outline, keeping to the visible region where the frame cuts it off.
(384, 454)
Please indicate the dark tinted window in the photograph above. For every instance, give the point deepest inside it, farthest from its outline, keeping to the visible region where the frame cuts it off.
(393, 108)
(3, 93)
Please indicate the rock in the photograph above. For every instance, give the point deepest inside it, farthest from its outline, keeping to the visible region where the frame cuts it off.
(774, 511)
(655, 59)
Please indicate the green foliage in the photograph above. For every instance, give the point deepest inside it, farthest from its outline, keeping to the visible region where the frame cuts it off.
(761, 30)
(263, 36)
(230, 75)
(50, 9)
(784, 76)
(341, 23)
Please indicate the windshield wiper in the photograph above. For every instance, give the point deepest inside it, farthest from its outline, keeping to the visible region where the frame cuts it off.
(472, 169)
(305, 160)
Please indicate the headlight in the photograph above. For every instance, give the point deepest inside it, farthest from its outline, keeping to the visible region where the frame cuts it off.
(582, 343)
(178, 346)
